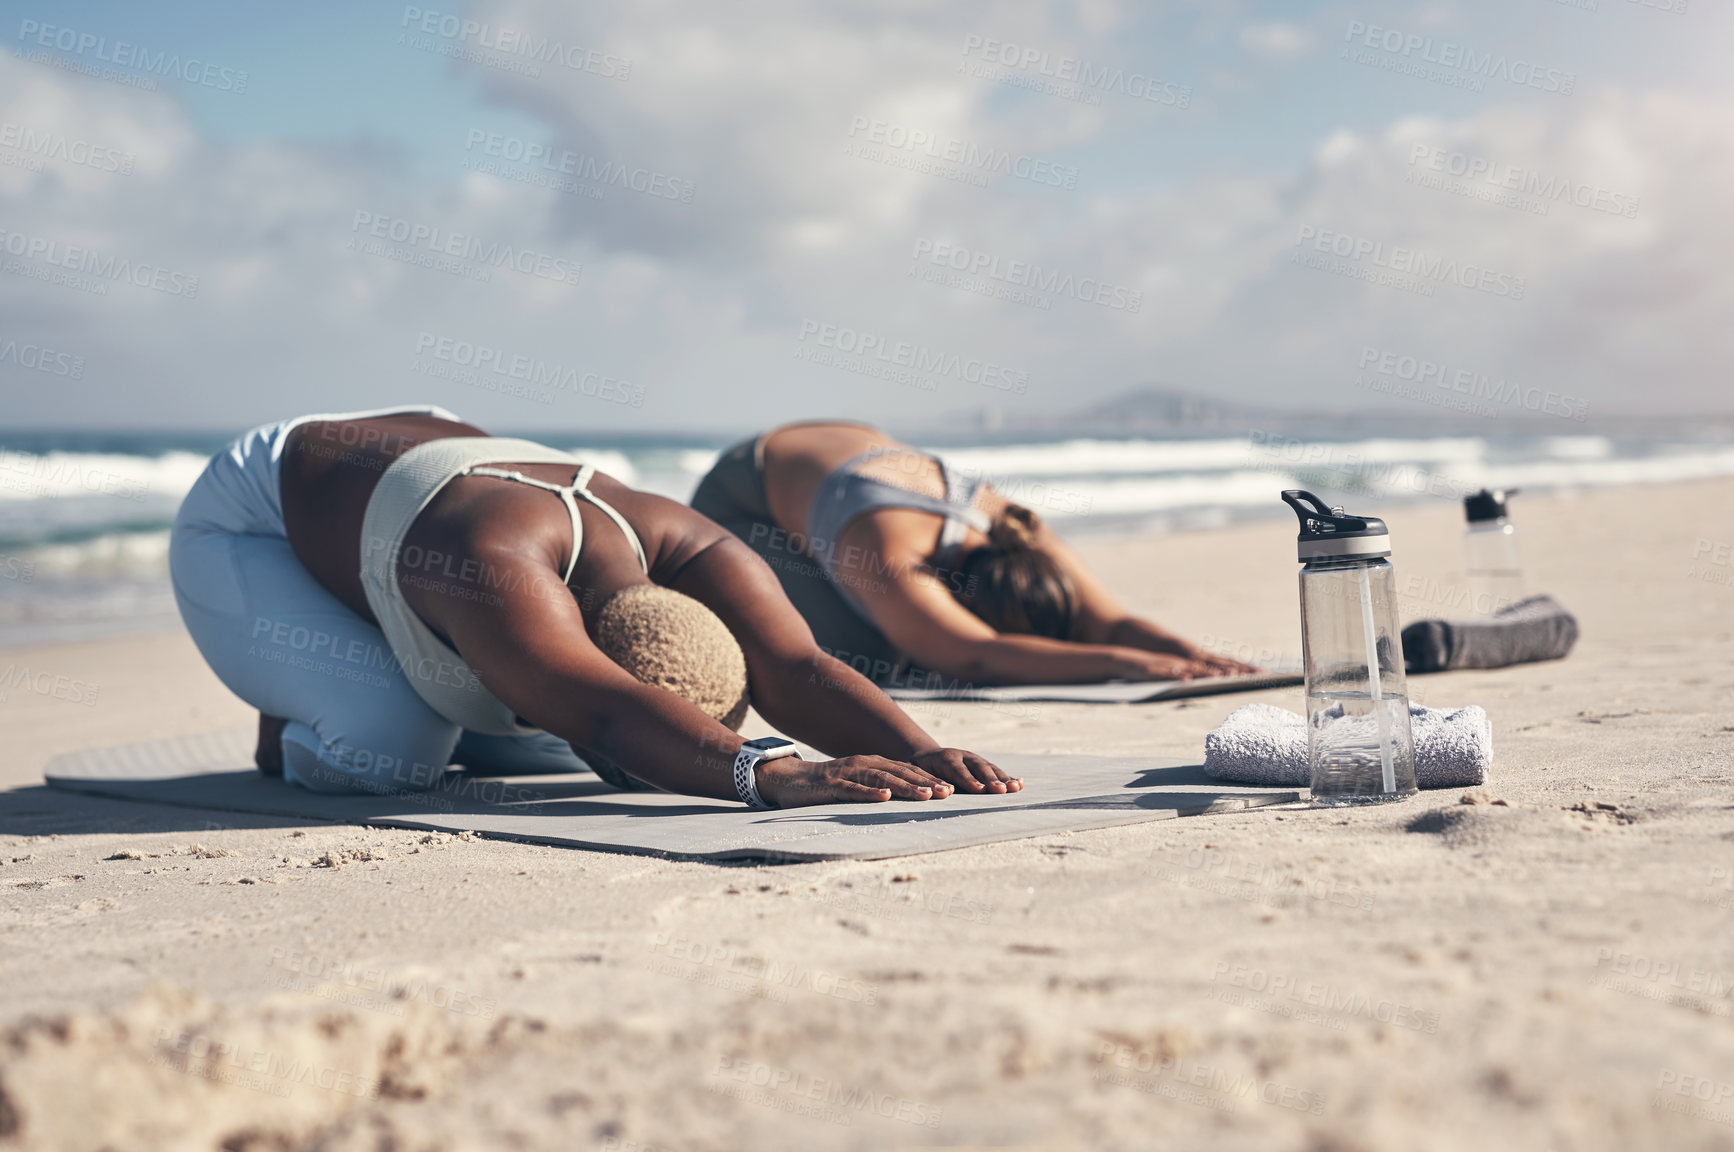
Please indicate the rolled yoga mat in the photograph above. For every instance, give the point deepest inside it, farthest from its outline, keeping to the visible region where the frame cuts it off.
(1536, 628)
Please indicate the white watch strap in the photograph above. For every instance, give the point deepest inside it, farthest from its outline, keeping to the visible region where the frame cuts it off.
(746, 782)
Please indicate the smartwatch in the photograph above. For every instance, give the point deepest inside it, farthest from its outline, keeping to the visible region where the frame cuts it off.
(747, 761)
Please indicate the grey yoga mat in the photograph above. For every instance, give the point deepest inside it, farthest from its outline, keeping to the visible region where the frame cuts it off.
(1061, 793)
(1113, 692)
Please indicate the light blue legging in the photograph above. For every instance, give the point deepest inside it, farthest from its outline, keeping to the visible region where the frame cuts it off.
(278, 640)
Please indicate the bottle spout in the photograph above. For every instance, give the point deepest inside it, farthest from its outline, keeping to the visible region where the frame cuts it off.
(1329, 533)
(1308, 507)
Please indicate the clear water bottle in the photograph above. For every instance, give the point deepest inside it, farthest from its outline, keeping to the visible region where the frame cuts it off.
(1359, 744)
(1490, 552)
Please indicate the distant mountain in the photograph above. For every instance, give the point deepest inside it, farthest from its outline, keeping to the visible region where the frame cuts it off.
(1166, 413)
(1156, 410)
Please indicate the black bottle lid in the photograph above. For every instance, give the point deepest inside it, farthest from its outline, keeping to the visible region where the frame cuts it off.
(1487, 504)
(1330, 534)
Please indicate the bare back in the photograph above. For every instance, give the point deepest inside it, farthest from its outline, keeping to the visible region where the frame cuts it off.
(330, 469)
(799, 457)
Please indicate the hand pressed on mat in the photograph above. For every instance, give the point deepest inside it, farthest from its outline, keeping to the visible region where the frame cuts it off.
(933, 775)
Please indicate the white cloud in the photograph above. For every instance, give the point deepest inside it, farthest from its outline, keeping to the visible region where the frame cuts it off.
(1617, 306)
(702, 303)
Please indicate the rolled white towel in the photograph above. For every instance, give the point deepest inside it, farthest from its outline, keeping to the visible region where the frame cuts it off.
(1263, 744)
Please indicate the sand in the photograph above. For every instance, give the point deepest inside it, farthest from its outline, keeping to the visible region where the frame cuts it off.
(1547, 962)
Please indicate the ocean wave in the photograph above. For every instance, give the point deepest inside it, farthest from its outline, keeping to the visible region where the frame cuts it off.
(1578, 447)
(88, 475)
(1083, 458)
(82, 512)
(84, 535)
(1359, 479)
(1662, 468)
(111, 556)
(1132, 496)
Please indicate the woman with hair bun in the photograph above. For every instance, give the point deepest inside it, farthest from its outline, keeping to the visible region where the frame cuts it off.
(903, 567)
(397, 591)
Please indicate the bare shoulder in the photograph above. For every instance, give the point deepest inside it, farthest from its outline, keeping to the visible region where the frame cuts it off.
(671, 533)
(320, 453)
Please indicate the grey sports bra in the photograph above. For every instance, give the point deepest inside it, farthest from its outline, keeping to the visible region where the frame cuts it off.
(845, 494)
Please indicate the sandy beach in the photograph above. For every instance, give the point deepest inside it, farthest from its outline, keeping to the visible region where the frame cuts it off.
(1547, 962)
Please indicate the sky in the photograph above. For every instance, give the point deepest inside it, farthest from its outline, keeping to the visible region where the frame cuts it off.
(668, 215)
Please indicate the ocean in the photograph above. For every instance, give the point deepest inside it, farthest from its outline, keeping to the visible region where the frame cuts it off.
(84, 518)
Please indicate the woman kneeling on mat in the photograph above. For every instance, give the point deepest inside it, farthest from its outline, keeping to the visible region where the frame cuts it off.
(906, 569)
(396, 591)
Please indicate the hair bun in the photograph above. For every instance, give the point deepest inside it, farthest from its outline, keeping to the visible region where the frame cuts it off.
(1015, 529)
(672, 641)
(1015, 586)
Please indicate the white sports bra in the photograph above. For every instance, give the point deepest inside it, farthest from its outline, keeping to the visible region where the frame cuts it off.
(436, 672)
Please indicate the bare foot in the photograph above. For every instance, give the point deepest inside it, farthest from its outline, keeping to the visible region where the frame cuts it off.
(269, 754)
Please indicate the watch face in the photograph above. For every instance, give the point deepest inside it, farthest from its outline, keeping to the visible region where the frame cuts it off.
(769, 744)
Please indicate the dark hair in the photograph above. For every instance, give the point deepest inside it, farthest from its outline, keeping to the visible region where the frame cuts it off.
(1015, 586)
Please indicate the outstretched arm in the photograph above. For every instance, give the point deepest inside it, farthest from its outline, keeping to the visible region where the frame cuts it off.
(1105, 621)
(919, 614)
(532, 652)
(922, 618)
(803, 691)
